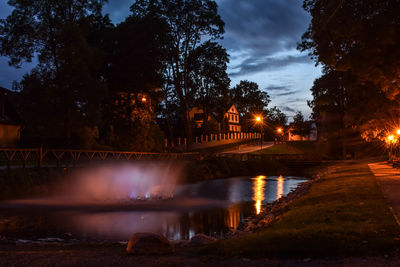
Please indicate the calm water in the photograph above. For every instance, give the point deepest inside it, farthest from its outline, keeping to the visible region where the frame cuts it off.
(212, 207)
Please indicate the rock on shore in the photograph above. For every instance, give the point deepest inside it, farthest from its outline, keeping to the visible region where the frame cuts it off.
(149, 244)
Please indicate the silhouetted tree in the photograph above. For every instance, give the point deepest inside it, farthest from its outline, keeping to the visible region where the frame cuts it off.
(300, 126)
(208, 69)
(191, 23)
(248, 98)
(137, 49)
(361, 36)
(66, 87)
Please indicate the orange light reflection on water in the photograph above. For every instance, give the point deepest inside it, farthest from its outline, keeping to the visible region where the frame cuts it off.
(258, 189)
(279, 187)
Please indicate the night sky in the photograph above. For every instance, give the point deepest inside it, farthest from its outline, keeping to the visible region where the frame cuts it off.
(261, 38)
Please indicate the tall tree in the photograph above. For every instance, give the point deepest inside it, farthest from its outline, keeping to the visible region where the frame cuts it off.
(134, 77)
(276, 118)
(208, 66)
(300, 126)
(361, 36)
(191, 23)
(248, 98)
(61, 34)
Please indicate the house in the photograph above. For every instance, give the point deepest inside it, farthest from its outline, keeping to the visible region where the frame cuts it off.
(231, 116)
(197, 116)
(10, 126)
(311, 136)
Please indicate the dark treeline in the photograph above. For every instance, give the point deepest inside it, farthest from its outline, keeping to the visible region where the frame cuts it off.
(357, 43)
(125, 86)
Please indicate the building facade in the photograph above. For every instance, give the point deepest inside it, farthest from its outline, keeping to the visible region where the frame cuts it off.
(231, 118)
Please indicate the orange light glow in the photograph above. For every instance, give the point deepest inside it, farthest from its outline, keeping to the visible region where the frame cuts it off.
(398, 131)
(390, 138)
(258, 189)
(279, 187)
(144, 99)
(258, 118)
(279, 130)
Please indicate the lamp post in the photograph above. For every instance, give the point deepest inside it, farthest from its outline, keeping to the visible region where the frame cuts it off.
(390, 141)
(279, 130)
(259, 121)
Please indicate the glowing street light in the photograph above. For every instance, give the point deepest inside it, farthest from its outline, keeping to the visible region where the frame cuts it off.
(259, 121)
(144, 99)
(398, 131)
(279, 130)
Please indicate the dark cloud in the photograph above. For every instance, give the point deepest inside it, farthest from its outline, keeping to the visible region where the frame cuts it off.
(288, 93)
(263, 26)
(276, 88)
(255, 64)
(287, 109)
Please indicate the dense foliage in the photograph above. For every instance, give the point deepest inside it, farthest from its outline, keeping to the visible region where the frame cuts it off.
(125, 86)
(357, 42)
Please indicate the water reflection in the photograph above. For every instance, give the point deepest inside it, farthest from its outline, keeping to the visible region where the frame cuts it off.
(258, 189)
(279, 187)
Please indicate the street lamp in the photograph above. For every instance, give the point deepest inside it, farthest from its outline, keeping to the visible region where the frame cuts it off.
(390, 141)
(259, 121)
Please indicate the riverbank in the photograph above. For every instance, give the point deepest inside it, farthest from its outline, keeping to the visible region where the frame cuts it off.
(343, 214)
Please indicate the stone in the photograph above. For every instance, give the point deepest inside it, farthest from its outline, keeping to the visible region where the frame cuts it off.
(266, 221)
(202, 239)
(251, 226)
(149, 244)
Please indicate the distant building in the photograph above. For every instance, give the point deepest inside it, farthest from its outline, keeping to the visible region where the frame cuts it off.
(197, 116)
(10, 126)
(311, 136)
(231, 116)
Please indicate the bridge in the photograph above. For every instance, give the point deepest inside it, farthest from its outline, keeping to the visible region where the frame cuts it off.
(22, 157)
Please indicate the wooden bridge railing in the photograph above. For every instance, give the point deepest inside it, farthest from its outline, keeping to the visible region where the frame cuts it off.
(41, 157)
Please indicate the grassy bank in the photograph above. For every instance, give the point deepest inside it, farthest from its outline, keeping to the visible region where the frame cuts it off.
(295, 147)
(344, 214)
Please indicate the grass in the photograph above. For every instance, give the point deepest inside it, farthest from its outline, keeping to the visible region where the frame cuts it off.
(343, 214)
(221, 148)
(296, 147)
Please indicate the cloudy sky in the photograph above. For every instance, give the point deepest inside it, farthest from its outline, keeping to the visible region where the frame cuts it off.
(261, 38)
